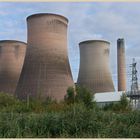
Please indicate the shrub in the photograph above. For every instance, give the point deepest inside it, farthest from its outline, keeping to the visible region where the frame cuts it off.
(70, 96)
(7, 100)
(48, 119)
(121, 106)
(84, 95)
(80, 95)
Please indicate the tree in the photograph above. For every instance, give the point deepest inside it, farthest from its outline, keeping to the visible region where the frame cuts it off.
(70, 96)
(84, 95)
(124, 103)
(80, 95)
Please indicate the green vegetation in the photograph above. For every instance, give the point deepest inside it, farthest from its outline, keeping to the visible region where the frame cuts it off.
(79, 95)
(122, 106)
(76, 117)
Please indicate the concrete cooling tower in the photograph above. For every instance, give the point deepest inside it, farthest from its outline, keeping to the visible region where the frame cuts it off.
(46, 71)
(121, 65)
(12, 55)
(94, 72)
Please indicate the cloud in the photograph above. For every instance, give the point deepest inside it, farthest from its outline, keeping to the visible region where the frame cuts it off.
(87, 20)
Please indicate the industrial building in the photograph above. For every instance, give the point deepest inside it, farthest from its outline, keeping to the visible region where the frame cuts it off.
(94, 71)
(46, 70)
(121, 66)
(12, 54)
(107, 98)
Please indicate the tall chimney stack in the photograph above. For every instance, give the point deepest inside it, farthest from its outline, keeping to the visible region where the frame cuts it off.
(121, 65)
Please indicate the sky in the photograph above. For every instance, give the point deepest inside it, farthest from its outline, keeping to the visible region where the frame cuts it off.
(87, 20)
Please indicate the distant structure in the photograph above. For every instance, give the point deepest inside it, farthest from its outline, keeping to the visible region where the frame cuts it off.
(46, 71)
(12, 55)
(121, 65)
(107, 98)
(94, 72)
(134, 94)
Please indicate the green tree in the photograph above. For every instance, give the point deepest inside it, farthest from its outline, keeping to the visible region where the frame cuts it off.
(84, 95)
(80, 95)
(124, 103)
(70, 96)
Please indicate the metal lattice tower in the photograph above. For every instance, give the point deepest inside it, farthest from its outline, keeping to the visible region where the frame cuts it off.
(134, 85)
(134, 94)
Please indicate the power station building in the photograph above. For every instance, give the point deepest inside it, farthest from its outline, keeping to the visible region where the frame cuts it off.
(94, 72)
(46, 70)
(121, 65)
(12, 54)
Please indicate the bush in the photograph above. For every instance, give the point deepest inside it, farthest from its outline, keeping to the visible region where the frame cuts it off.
(84, 95)
(49, 119)
(121, 106)
(75, 121)
(7, 100)
(80, 95)
(70, 96)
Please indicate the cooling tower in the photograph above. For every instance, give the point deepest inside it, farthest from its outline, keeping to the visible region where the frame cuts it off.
(121, 65)
(12, 55)
(94, 72)
(46, 71)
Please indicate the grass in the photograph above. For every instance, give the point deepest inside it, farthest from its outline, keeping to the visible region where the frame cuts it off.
(67, 119)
